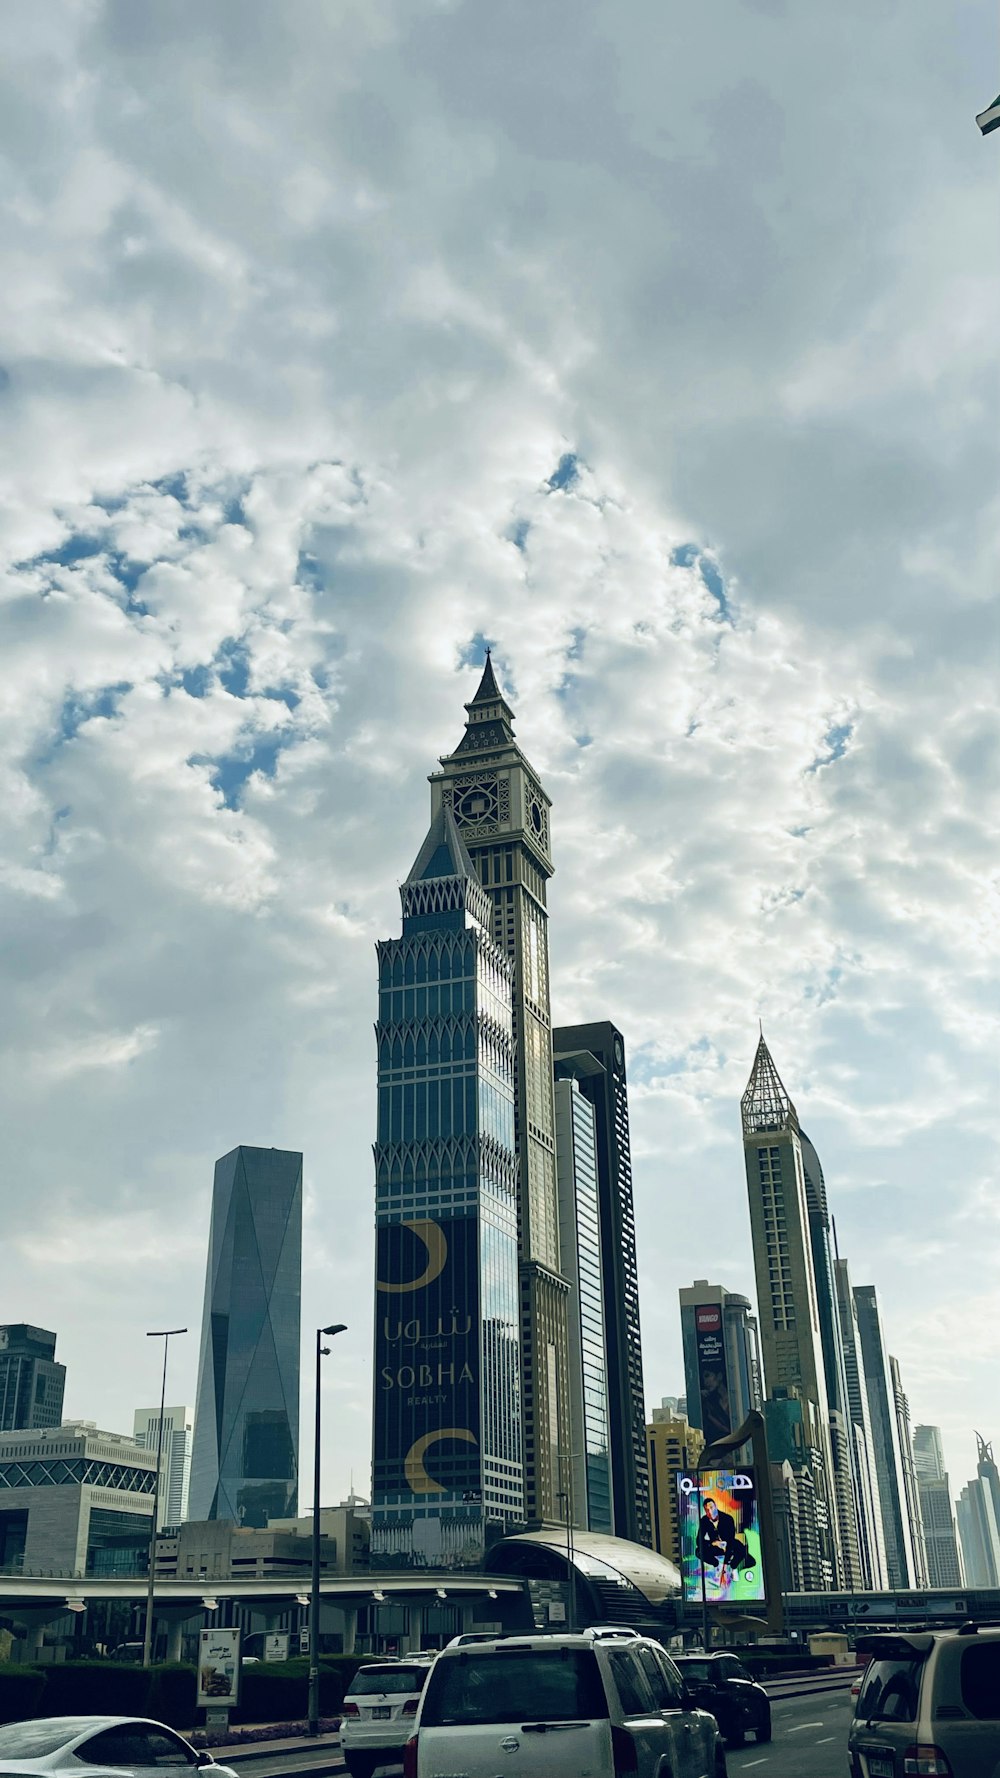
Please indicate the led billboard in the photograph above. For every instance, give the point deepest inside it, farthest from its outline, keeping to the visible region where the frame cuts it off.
(719, 1526)
(713, 1380)
(427, 1341)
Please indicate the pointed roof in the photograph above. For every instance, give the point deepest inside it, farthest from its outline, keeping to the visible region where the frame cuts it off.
(489, 691)
(490, 717)
(765, 1104)
(443, 853)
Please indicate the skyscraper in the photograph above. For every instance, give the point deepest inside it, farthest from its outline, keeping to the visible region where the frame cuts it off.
(447, 1435)
(896, 1531)
(177, 1429)
(842, 1443)
(721, 1358)
(944, 1562)
(979, 1520)
(867, 1500)
(910, 1490)
(502, 813)
(246, 1433)
(31, 1382)
(672, 1446)
(787, 1299)
(607, 1091)
(580, 1259)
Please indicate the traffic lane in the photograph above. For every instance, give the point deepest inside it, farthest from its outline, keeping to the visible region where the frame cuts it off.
(810, 1740)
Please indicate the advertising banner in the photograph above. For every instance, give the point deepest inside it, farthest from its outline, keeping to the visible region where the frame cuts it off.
(427, 1360)
(720, 1537)
(713, 1380)
(218, 1669)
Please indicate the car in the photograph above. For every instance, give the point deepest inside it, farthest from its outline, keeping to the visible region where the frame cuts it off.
(930, 1704)
(471, 1636)
(559, 1706)
(722, 1685)
(378, 1712)
(99, 1746)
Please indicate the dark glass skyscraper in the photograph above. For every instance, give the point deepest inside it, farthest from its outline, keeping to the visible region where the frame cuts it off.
(608, 1093)
(447, 1432)
(244, 1464)
(31, 1382)
(589, 1462)
(842, 1444)
(498, 805)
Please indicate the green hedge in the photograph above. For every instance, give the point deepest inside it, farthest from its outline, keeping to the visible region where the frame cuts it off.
(97, 1688)
(278, 1691)
(21, 1690)
(173, 1695)
(270, 1691)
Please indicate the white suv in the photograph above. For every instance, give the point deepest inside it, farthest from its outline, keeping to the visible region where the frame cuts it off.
(561, 1707)
(378, 1712)
(929, 1704)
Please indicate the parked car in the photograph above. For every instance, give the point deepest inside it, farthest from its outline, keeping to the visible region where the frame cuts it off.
(558, 1706)
(378, 1712)
(98, 1746)
(722, 1685)
(930, 1704)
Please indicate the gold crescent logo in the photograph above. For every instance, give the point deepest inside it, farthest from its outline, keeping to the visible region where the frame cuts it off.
(413, 1466)
(436, 1243)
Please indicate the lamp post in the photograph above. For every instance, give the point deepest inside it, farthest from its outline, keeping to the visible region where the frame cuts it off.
(321, 1353)
(166, 1335)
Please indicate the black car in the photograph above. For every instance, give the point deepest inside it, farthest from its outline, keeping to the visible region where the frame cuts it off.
(721, 1684)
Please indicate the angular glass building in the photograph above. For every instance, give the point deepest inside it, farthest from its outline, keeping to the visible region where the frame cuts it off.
(244, 1463)
(447, 1425)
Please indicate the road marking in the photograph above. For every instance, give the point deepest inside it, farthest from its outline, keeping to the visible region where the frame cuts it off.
(757, 1762)
(806, 1725)
(824, 1739)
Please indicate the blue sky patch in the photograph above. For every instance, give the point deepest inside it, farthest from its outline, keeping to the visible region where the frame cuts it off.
(566, 472)
(684, 556)
(835, 742)
(519, 535)
(713, 582)
(229, 772)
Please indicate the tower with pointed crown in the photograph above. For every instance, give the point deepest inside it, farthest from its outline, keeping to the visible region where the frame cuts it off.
(447, 1469)
(788, 1301)
(499, 806)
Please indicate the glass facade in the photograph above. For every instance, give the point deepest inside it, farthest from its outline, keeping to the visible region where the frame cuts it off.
(245, 1459)
(31, 1382)
(580, 1242)
(447, 1471)
(607, 1090)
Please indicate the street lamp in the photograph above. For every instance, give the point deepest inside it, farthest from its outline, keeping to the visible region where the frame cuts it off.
(166, 1335)
(321, 1352)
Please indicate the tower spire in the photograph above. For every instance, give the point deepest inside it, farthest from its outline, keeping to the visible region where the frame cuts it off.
(765, 1104)
(490, 719)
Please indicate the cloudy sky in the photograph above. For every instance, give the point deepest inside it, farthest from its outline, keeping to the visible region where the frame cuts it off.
(655, 343)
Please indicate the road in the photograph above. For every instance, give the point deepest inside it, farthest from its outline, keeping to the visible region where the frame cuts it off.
(810, 1740)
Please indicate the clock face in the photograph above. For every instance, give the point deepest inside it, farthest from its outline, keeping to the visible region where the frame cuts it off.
(619, 1053)
(535, 815)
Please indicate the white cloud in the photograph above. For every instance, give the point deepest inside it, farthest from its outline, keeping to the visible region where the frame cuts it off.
(302, 308)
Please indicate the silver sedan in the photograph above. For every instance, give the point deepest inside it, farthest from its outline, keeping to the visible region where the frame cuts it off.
(99, 1747)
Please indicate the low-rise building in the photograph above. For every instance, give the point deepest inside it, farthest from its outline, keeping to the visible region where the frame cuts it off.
(74, 1501)
(216, 1549)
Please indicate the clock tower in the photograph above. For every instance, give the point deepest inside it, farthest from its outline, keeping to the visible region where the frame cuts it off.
(502, 814)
